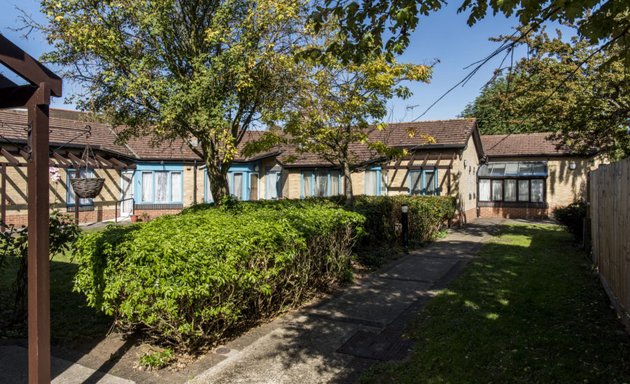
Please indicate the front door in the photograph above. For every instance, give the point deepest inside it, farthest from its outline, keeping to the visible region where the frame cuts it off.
(126, 187)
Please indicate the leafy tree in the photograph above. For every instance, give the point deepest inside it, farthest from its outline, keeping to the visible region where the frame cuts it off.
(202, 71)
(366, 23)
(331, 115)
(574, 89)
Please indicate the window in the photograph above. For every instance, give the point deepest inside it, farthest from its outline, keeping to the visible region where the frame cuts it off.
(321, 184)
(335, 183)
(497, 190)
(537, 190)
(307, 184)
(272, 185)
(253, 186)
(510, 190)
(429, 184)
(70, 196)
(523, 190)
(160, 187)
(237, 186)
(415, 180)
(208, 191)
(484, 190)
(371, 188)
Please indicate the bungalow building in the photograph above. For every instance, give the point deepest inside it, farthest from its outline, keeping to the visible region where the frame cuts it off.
(505, 175)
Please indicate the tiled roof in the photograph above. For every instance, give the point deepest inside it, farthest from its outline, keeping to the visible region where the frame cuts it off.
(63, 132)
(522, 144)
(445, 133)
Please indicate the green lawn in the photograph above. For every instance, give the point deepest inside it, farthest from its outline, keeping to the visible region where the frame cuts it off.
(72, 322)
(529, 309)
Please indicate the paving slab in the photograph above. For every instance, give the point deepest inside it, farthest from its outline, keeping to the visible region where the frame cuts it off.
(419, 267)
(14, 370)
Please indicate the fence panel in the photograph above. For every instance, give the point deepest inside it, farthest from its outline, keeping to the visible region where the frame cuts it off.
(609, 194)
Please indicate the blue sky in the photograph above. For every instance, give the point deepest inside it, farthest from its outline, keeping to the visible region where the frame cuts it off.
(443, 35)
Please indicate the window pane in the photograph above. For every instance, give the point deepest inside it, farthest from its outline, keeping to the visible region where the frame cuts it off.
(271, 185)
(510, 190)
(498, 169)
(321, 184)
(253, 186)
(238, 186)
(370, 183)
(161, 187)
(497, 190)
(384, 185)
(429, 183)
(334, 183)
(523, 190)
(537, 190)
(484, 190)
(308, 184)
(416, 185)
(147, 186)
(511, 169)
(176, 186)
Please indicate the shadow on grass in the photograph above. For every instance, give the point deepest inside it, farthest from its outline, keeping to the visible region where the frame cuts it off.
(528, 309)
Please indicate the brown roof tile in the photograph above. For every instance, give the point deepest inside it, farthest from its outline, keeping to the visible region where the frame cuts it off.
(522, 144)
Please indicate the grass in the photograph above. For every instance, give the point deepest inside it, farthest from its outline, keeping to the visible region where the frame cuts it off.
(529, 309)
(73, 323)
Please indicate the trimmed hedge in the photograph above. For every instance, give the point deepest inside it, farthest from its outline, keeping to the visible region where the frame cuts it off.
(572, 218)
(190, 279)
(193, 278)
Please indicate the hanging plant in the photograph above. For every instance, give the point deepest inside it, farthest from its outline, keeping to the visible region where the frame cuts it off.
(87, 186)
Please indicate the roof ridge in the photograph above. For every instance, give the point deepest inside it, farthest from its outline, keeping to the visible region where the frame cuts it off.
(434, 121)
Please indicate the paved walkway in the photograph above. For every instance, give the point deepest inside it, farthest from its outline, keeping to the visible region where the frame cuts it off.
(332, 341)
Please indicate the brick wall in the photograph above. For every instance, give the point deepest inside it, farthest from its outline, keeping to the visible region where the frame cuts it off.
(514, 212)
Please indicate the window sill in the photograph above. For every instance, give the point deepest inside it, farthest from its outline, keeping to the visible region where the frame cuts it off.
(147, 206)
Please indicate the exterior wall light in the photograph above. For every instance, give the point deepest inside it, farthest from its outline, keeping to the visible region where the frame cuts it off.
(572, 165)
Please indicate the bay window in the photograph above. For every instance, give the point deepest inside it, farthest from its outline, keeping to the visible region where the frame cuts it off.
(516, 182)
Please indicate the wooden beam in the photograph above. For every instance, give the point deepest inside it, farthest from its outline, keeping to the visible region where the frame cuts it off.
(75, 160)
(437, 162)
(19, 96)
(38, 259)
(411, 159)
(27, 67)
(118, 163)
(107, 163)
(12, 160)
(61, 159)
(25, 155)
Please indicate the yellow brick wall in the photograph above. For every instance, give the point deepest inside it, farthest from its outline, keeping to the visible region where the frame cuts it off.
(464, 180)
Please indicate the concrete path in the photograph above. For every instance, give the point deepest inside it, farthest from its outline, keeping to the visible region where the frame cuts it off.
(334, 341)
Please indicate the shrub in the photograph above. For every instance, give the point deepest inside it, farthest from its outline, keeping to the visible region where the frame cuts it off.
(193, 278)
(572, 218)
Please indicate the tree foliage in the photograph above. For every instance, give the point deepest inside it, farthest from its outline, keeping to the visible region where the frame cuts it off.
(380, 24)
(201, 71)
(574, 89)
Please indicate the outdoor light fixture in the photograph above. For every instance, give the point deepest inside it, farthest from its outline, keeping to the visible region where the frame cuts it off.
(405, 208)
(572, 165)
(404, 221)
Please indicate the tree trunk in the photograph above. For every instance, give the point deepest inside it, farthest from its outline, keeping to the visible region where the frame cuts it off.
(217, 177)
(347, 183)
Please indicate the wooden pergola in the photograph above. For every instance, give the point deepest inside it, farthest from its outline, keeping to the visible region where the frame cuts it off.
(35, 96)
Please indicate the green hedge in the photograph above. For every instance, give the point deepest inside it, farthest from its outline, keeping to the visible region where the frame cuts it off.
(191, 278)
(572, 218)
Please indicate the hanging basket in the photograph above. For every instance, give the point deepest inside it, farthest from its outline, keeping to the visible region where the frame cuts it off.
(87, 187)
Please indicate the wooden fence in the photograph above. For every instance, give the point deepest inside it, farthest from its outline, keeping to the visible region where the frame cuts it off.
(609, 197)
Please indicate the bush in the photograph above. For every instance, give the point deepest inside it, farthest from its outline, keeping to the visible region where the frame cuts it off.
(192, 278)
(572, 218)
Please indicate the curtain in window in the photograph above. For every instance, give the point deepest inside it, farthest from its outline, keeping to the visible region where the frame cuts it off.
(429, 183)
(161, 187)
(334, 184)
(308, 184)
(176, 186)
(147, 186)
(271, 185)
(238, 186)
(510, 190)
(484, 190)
(370, 183)
(523, 190)
(321, 184)
(384, 183)
(537, 191)
(415, 178)
(497, 190)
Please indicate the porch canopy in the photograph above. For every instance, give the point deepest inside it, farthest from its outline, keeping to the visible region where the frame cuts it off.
(515, 169)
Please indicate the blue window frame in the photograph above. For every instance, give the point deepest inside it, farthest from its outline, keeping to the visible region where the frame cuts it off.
(159, 184)
(373, 182)
(320, 183)
(70, 196)
(423, 182)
